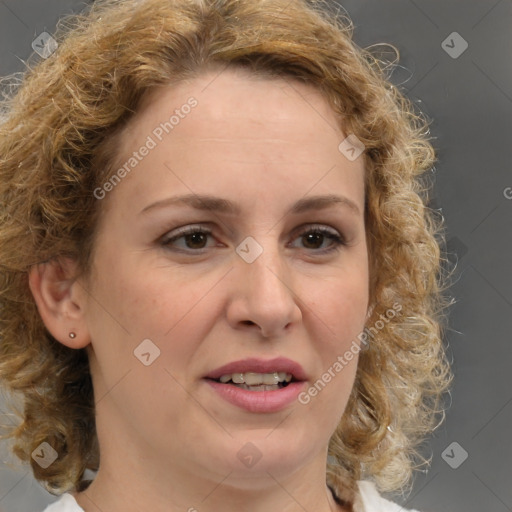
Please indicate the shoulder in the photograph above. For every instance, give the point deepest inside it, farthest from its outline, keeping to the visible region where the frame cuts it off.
(369, 500)
(66, 503)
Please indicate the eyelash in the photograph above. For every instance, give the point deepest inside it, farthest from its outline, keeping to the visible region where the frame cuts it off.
(338, 241)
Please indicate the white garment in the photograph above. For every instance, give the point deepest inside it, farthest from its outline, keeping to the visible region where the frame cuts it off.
(66, 503)
(368, 500)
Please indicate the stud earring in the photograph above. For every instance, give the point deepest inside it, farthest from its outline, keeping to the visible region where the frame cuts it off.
(72, 335)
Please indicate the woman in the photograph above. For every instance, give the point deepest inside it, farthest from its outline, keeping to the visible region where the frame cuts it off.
(221, 286)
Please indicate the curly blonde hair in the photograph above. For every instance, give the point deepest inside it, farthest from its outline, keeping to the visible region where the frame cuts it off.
(60, 125)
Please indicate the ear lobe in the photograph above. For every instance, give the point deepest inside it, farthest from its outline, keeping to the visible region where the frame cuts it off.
(59, 301)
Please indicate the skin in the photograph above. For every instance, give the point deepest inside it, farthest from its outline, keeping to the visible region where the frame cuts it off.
(168, 442)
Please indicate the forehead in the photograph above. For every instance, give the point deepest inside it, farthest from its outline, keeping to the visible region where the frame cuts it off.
(234, 97)
(265, 129)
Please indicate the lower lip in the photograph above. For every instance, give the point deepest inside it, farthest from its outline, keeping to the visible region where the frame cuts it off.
(258, 401)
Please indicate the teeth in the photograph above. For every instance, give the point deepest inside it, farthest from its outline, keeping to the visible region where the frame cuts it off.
(237, 378)
(258, 388)
(256, 379)
(269, 379)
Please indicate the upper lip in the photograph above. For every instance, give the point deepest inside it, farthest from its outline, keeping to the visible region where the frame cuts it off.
(255, 365)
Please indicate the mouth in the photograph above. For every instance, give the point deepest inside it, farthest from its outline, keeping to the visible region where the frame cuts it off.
(255, 372)
(252, 381)
(257, 385)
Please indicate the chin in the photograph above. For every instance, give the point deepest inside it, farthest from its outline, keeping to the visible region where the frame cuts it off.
(253, 459)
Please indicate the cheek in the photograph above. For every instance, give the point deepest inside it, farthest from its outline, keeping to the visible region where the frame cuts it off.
(339, 314)
(131, 306)
(144, 298)
(164, 305)
(341, 306)
(348, 313)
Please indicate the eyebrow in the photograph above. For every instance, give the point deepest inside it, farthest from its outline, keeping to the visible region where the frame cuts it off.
(219, 205)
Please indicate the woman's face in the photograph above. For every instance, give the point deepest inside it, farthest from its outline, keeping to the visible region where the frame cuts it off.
(261, 278)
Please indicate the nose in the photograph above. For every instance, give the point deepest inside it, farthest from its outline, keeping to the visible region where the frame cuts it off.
(264, 297)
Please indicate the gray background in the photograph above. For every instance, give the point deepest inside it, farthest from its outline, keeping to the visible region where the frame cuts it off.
(469, 99)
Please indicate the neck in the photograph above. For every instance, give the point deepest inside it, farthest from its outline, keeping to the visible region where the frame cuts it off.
(178, 492)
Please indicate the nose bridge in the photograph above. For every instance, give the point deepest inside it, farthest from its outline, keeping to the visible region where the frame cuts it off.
(268, 277)
(266, 285)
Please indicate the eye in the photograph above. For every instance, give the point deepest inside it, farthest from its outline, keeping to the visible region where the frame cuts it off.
(314, 237)
(194, 238)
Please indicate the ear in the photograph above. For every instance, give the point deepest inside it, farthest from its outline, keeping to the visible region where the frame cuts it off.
(60, 299)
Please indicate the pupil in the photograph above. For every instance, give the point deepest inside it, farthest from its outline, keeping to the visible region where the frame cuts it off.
(310, 237)
(197, 238)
